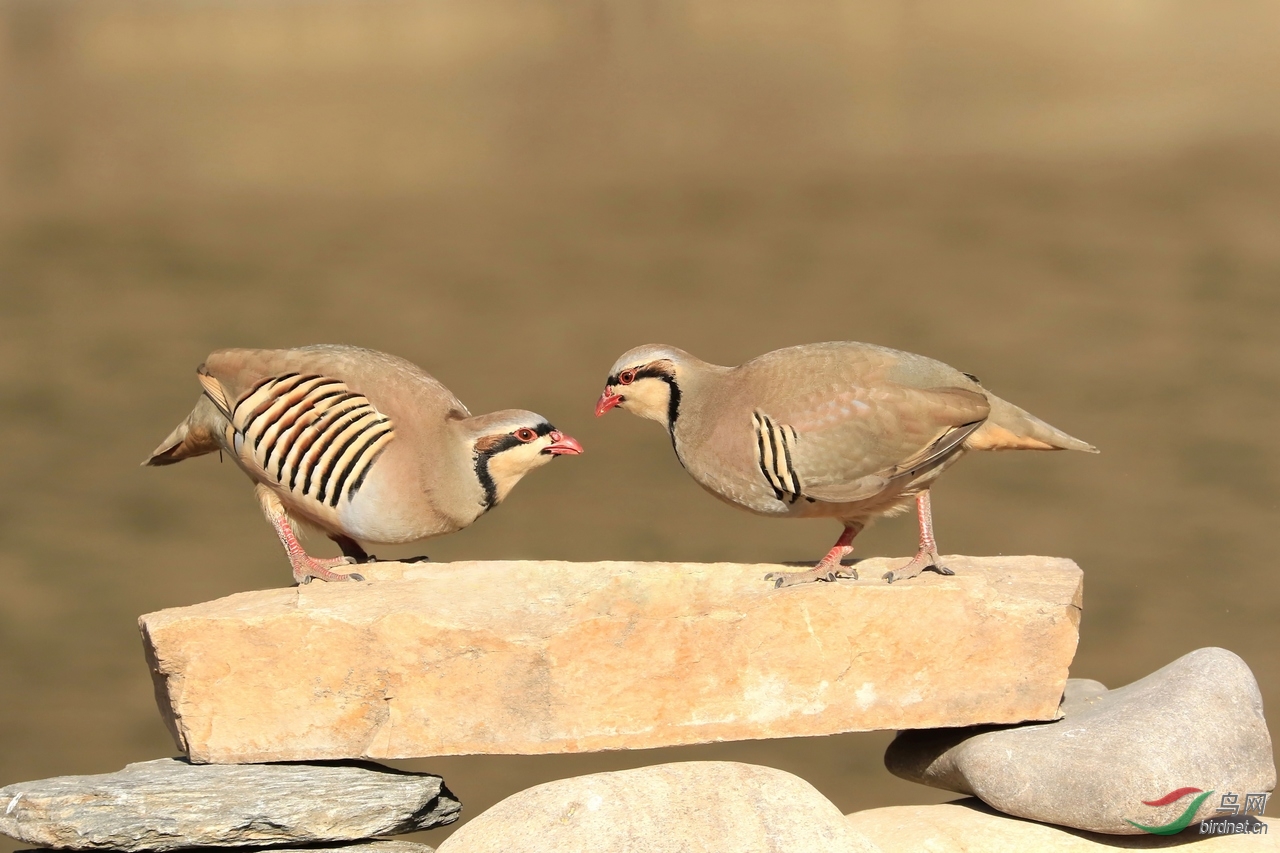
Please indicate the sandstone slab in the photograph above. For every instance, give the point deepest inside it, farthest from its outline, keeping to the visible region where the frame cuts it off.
(1194, 724)
(689, 807)
(170, 804)
(969, 826)
(553, 657)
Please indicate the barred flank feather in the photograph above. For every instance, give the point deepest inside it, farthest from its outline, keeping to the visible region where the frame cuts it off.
(773, 454)
(309, 434)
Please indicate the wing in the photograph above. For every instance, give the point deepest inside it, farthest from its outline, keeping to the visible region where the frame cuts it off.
(309, 434)
(863, 439)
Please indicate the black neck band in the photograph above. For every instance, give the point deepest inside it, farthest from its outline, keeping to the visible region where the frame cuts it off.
(673, 404)
(486, 479)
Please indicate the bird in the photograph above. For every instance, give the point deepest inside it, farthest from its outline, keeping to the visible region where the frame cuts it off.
(842, 430)
(365, 446)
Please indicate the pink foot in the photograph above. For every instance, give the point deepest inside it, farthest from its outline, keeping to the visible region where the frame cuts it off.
(921, 561)
(927, 557)
(829, 567)
(309, 567)
(820, 572)
(305, 566)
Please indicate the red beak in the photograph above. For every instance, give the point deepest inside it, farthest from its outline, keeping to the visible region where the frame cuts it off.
(606, 402)
(562, 445)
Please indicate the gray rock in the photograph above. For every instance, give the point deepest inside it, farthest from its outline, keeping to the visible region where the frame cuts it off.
(375, 846)
(689, 807)
(170, 804)
(351, 847)
(1195, 723)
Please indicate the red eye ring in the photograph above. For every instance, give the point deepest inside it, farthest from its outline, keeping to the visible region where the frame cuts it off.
(525, 434)
(626, 377)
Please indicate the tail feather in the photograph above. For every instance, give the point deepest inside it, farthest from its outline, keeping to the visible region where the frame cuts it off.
(1010, 428)
(195, 436)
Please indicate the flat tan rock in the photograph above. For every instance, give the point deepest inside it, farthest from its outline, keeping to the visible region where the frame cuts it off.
(969, 826)
(549, 657)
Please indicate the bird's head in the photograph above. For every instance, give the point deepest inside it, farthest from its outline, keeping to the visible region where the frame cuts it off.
(646, 382)
(507, 445)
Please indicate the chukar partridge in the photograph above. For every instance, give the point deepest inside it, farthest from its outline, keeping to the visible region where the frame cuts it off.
(363, 445)
(839, 430)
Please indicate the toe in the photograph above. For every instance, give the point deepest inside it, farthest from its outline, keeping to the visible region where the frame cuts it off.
(905, 573)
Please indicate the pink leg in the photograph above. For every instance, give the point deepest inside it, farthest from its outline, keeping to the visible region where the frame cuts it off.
(828, 568)
(927, 557)
(305, 567)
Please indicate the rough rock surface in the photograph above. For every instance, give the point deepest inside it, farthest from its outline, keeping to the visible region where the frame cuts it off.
(968, 826)
(1196, 723)
(691, 807)
(169, 804)
(549, 657)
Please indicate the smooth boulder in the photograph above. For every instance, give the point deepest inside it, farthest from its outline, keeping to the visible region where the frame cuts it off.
(969, 826)
(690, 807)
(169, 804)
(1194, 724)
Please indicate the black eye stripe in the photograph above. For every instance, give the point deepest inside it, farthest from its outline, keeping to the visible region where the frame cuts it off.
(505, 441)
(648, 371)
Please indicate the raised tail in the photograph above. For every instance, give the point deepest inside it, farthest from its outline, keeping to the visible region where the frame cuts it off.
(195, 436)
(1011, 428)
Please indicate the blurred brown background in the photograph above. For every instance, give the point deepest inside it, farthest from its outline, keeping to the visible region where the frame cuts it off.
(1078, 203)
